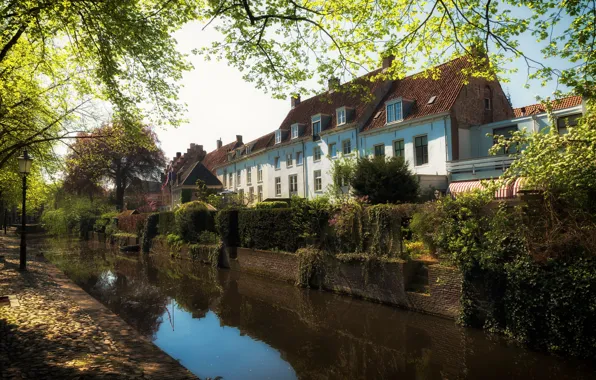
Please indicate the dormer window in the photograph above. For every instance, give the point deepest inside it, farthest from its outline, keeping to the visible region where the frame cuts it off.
(341, 115)
(316, 127)
(394, 111)
(295, 131)
(230, 156)
(248, 148)
(278, 136)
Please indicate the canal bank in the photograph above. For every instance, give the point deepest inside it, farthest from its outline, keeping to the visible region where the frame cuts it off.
(58, 331)
(237, 325)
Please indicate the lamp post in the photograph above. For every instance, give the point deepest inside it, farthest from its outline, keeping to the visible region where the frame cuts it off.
(24, 168)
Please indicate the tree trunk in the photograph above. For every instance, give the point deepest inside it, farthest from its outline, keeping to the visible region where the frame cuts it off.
(119, 190)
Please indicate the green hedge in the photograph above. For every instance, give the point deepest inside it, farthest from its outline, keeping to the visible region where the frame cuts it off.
(149, 232)
(268, 229)
(226, 222)
(192, 219)
(166, 223)
(270, 205)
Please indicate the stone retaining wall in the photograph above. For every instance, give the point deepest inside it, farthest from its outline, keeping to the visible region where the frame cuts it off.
(276, 265)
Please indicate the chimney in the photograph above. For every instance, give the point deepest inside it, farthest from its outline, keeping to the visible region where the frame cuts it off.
(178, 154)
(239, 138)
(192, 145)
(388, 61)
(219, 143)
(295, 99)
(333, 84)
(523, 111)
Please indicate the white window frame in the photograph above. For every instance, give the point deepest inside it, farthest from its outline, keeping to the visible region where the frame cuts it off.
(341, 115)
(314, 153)
(293, 182)
(251, 194)
(277, 186)
(231, 181)
(238, 177)
(343, 147)
(299, 158)
(318, 181)
(260, 193)
(225, 178)
(249, 175)
(331, 146)
(487, 102)
(391, 105)
(316, 121)
(289, 160)
(277, 163)
(295, 131)
(278, 136)
(259, 173)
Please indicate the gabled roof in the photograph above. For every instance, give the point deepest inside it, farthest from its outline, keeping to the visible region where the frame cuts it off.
(199, 171)
(219, 156)
(420, 89)
(535, 109)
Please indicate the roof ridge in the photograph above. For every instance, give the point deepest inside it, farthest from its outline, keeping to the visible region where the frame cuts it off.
(552, 101)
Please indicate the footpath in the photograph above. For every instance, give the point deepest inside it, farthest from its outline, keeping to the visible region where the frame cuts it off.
(54, 330)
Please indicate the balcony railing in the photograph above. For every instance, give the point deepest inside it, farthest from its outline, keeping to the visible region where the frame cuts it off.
(480, 164)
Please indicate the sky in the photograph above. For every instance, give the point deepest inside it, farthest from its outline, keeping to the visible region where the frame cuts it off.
(222, 105)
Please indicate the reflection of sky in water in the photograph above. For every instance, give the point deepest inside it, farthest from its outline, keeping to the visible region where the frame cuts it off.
(208, 349)
(106, 279)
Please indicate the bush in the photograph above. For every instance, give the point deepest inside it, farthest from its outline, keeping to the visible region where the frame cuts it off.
(104, 220)
(192, 218)
(149, 232)
(226, 222)
(167, 223)
(268, 229)
(270, 205)
(185, 196)
(311, 219)
(55, 222)
(311, 266)
(384, 180)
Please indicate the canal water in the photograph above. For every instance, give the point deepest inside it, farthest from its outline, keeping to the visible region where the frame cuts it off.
(239, 326)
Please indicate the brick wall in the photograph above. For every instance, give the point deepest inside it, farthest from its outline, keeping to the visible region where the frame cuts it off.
(275, 265)
(445, 292)
(468, 108)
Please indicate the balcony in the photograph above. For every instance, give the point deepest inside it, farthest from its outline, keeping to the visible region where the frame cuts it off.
(478, 168)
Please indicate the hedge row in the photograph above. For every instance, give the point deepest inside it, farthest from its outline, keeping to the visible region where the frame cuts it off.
(268, 229)
(166, 223)
(191, 219)
(132, 224)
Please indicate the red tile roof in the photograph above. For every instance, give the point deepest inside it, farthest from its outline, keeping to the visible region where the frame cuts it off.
(219, 156)
(420, 89)
(534, 109)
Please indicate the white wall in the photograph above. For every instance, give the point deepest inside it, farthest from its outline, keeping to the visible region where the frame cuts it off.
(437, 132)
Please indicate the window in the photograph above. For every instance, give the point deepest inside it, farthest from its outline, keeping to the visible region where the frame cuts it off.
(332, 150)
(278, 186)
(298, 158)
(347, 147)
(318, 180)
(316, 153)
(293, 184)
(567, 121)
(241, 195)
(225, 178)
(277, 163)
(260, 193)
(398, 148)
(394, 112)
(295, 131)
(248, 149)
(289, 160)
(259, 173)
(249, 175)
(231, 181)
(341, 116)
(421, 146)
(316, 128)
(278, 136)
(487, 98)
(238, 177)
(251, 194)
(487, 104)
(379, 150)
(505, 132)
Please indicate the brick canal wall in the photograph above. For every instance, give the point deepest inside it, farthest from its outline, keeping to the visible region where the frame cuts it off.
(385, 282)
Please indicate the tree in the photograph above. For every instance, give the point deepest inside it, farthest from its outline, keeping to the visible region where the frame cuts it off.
(118, 158)
(342, 173)
(58, 57)
(276, 43)
(384, 180)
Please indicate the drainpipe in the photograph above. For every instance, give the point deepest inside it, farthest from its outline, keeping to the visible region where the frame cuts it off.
(304, 171)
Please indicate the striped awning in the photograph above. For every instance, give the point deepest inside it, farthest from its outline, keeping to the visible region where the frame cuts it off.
(505, 192)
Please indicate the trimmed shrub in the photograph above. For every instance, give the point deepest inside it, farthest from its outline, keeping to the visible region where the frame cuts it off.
(268, 229)
(226, 222)
(270, 205)
(167, 223)
(384, 180)
(192, 219)
(149, 232)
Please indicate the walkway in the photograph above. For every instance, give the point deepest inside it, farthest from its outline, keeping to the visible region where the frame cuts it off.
(60, 332)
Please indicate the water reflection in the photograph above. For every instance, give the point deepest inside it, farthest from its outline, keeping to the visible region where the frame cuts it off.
(238, 326)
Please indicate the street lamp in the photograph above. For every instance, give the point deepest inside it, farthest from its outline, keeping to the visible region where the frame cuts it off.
(24, 168)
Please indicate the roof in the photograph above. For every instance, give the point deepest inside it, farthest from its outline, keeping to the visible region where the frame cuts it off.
(199, 171)
(145, 186)
(219, 156)
(420, 89)
(534, 109)
(127, 213)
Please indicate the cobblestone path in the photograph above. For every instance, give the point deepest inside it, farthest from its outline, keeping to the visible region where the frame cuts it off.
(60, 332)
